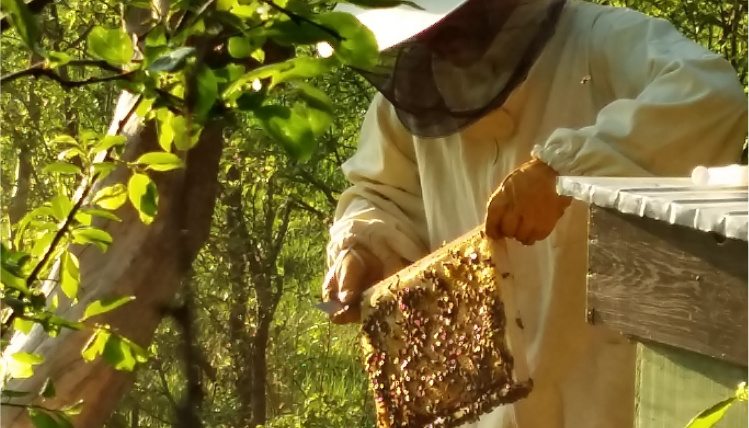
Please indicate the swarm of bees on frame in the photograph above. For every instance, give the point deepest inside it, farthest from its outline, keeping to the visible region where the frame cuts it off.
(434, 343)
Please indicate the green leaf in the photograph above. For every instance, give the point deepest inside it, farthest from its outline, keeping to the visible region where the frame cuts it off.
(293, 69)
(28, 358)
(42, 419)
(108, 142)
(57, 59)
(144, 106)
(243, 47)
(357, 46)
(42, 244)
(111, 197)
(92, 235)
(21, 364)
(23, 325)
(102, 213)
(172, 61)
(184, 138)
(71, 276)
(112, 45)
(742, 394)
(164, 127)
(144, 196)
(62, 168)
(160, 161)
(23, 21)
(13, 281)
(103, 168)
(317, 107)
(123, 354)
(207, 88)
(61, 207)
(95, 345)
(64, 139)
(225, 4)
(104, 305)
(70, 153)
(288, 127)
(48, 389)
(74, 409)
(711, 416)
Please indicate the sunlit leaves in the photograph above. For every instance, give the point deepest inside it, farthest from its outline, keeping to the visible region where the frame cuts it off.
(160, 161)
(207, 92)
(112, 45)
(104, 305)
(70, 274)
(92, 235)
(290, 127)
(172, 61)
(62, 168)
(111, 197)
(709, 417)
(43, 419)
(121, 353)
(243, 47)
(21, 364)
(108, 142)
(356, 45)
(144, 196)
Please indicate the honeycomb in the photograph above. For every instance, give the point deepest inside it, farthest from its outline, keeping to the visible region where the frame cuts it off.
(436, 348)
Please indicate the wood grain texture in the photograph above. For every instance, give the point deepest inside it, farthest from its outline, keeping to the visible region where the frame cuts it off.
(668, 284)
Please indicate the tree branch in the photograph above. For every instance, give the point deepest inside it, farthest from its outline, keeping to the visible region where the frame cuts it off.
(298, 19)
(65, 83)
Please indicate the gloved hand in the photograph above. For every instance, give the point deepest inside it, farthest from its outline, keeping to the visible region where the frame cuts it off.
(526, 206)
(355, 270)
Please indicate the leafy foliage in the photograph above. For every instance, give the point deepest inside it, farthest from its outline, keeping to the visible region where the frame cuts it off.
(266, 356)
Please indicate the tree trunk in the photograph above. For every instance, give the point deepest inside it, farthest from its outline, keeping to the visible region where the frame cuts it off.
(239, 330)
(260, 369)
(147, 262)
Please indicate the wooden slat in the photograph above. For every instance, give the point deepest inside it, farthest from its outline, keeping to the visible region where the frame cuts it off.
(668, 284)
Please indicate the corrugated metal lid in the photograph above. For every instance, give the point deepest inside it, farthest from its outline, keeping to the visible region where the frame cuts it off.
(718, 209)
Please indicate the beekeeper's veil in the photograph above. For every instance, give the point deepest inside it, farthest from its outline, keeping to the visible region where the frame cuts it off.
(449, 64)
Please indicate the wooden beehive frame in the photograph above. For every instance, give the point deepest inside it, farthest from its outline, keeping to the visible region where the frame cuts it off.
(443, 339)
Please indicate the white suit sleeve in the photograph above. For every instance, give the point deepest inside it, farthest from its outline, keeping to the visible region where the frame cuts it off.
(383, 210)
(677, 105)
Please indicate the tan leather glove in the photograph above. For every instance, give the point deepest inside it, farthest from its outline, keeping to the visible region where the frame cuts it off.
(355, 270)
(526, 206)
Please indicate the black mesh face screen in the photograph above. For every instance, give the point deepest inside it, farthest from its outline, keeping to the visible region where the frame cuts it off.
(449, 76)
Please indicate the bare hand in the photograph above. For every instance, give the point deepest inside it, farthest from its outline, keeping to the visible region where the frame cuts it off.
(355, 271)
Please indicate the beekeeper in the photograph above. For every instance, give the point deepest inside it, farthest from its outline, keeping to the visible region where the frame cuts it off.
(481, 106)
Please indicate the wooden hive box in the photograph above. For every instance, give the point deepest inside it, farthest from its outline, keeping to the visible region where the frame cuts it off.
(442, 340)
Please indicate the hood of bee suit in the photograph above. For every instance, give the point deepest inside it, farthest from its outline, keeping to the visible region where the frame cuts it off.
(448, 63)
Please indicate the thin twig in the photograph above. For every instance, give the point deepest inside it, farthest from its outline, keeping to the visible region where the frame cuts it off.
(68, 84)
(299, 18)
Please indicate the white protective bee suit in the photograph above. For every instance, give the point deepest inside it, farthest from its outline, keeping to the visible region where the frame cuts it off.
(614, 93)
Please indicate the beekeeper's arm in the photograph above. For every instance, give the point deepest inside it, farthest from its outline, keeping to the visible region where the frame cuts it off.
(379, 222)
(677, 106)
